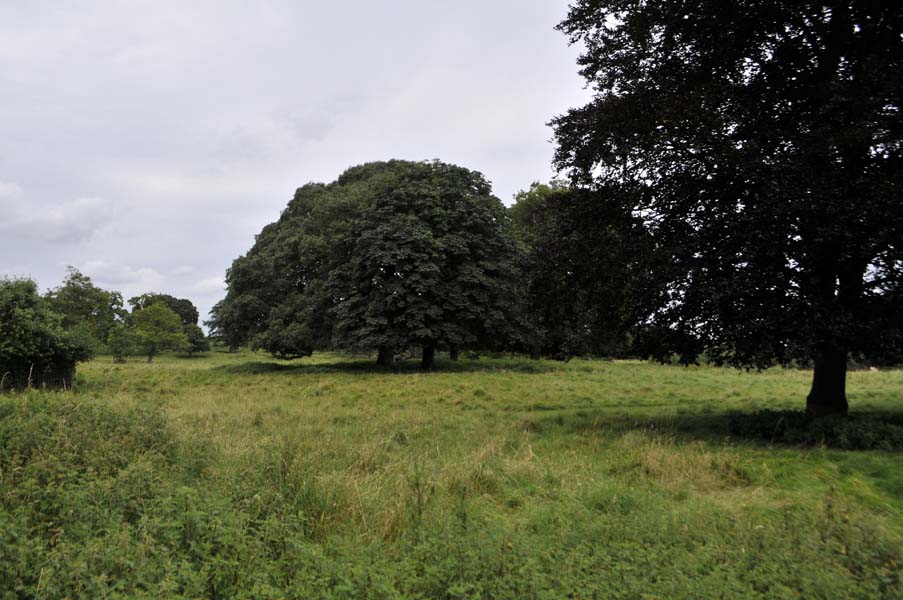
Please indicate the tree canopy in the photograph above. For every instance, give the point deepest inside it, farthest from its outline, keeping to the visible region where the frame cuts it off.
(762, 142)
(156, 328)
(391, 255)
(580, 268)
(187, 311)
(34, 347)
(88, 311)
(197, 341)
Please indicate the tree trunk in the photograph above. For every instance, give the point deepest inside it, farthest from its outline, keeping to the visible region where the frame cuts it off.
(150, 358)
(536, 352)
(386, 357)
(828, 395)
(428, 358)
(453, 352)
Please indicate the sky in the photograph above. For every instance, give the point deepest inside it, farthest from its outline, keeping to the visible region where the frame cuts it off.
(146, 142)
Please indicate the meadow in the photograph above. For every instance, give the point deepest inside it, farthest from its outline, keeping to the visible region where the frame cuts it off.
(237, 476)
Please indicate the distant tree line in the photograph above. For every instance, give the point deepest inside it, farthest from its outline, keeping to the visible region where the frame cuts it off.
(43, 337)
(405, 257)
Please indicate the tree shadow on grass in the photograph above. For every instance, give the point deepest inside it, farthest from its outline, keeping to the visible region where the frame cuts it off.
(867, 430)
(403, 367)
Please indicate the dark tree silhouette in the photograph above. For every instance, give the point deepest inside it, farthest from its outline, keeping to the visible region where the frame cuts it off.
(580, 266)
(762, 142)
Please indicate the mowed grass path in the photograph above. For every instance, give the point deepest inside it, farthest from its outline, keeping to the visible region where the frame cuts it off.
(492, 478)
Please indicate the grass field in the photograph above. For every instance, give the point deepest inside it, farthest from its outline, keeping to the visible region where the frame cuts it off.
(235, 476)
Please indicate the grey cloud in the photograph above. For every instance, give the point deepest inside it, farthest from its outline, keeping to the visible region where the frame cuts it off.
(10, 191)
(183, 270)
(63, 222)
(210, 285)
(116, 274)
(194, 122)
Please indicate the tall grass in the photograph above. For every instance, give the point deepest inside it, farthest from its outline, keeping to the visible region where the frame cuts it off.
(231, 476)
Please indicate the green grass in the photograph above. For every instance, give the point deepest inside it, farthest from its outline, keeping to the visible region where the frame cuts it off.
(234, 476)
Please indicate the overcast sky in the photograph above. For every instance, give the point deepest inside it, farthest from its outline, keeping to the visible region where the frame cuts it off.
(146, 143)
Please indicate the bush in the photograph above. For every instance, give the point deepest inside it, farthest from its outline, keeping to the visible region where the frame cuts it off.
(34, 349)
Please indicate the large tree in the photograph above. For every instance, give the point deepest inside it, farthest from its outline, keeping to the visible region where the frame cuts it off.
(762, 140)
(392, 255)
(431, 263)
(276, 297)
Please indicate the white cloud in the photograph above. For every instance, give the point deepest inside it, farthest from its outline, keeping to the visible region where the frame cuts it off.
(196, 121)
(104, 273)
(63, 222)
(183, 270)
(210, 285)
(9, 191)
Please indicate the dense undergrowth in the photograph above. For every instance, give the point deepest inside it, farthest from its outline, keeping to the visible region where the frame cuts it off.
(222, 478)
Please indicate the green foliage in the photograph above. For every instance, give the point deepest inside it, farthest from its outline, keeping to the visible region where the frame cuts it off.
(197, 341)
(158, 328)
(391, 255)
(763, 144)
(122, 342)
(183, 307)
(225, 325)
(88, 311)
(430, 263)
(580, 255)
(33, 344)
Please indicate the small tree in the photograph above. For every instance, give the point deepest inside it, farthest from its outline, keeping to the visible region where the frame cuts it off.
(122, 342)
(34, 347)
(197, 341)
(158, 328)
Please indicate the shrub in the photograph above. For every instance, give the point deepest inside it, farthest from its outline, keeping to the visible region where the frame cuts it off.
(34, 349)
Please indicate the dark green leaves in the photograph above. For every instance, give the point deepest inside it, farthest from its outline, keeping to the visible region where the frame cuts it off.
(762, 142)
(34, 348)
(391, 255)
